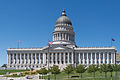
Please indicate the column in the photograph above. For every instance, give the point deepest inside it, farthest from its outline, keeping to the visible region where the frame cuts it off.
(68, 57)
(72, 58)
(54, 37)
(60, 58)
(35, 58)
(7, 58)
(16, 58)
(44, 58)
(107, 58)
(111, 58)
(99, 58)
(56, 58)
(39, 59)
(83, 59)
(64, 58)
(62, 36)
(87, 59)
(114, 58)
(103, 58)
(13, 58)
(20, 59)
(31, 58)
(65, 37)
(91, 58)
(52, 58)
(57, 37)
(79, 58)
(24, 59)
(95, 58)
(28, 58)
(68, 37)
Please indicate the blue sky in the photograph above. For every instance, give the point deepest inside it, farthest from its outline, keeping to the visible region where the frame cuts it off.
(95, 22)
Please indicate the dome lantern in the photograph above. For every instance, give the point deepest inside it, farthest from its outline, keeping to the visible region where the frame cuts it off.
(63, 13)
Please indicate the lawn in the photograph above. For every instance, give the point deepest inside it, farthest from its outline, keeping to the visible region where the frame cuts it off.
(64, 76)
(2, 72)
(85, 76)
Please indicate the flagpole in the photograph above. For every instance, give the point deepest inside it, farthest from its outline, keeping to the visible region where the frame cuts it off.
(18, 44)
(111, 43)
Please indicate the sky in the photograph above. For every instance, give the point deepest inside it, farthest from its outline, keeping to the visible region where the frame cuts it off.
(95, 23)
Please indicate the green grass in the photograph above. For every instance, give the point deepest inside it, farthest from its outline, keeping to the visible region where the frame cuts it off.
(86, 76)
(2, 72)
(64, 76)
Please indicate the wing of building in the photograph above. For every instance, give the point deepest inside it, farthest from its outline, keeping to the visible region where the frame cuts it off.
(62, 52)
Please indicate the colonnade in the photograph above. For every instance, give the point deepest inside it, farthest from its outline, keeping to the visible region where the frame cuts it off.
(61, 58)
(25, 58)
(63, 36)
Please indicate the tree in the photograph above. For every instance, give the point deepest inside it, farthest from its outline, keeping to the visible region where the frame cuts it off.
(4, 65)
(100, 70)
(92, 69)
(42, 71)
(116, 68)
(68, 69)
(110, 68)
(104, 68)
(55, 70)
(80, 69)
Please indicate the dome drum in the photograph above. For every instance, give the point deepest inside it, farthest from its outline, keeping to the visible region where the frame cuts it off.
(63, 31)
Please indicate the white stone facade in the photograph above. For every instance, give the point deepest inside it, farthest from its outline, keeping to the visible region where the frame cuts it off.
(62, 52)
(38, 58)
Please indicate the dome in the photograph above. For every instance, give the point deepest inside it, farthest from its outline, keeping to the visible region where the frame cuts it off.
(63, 19)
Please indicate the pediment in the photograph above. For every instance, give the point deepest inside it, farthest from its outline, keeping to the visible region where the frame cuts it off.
(57, 48)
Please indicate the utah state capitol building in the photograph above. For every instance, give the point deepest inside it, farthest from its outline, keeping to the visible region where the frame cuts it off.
(62, 53)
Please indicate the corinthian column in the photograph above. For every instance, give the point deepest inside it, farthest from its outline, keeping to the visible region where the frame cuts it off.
(79, 58)
(95, 58)
(103, 58)
(64, 58)
(83, 58)
(91, 59)
(72, 57)
(87, 59)
(107, 58)
(99, 58)
(68, 57)
(65, 37)
(7, 58)
(60, 58)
